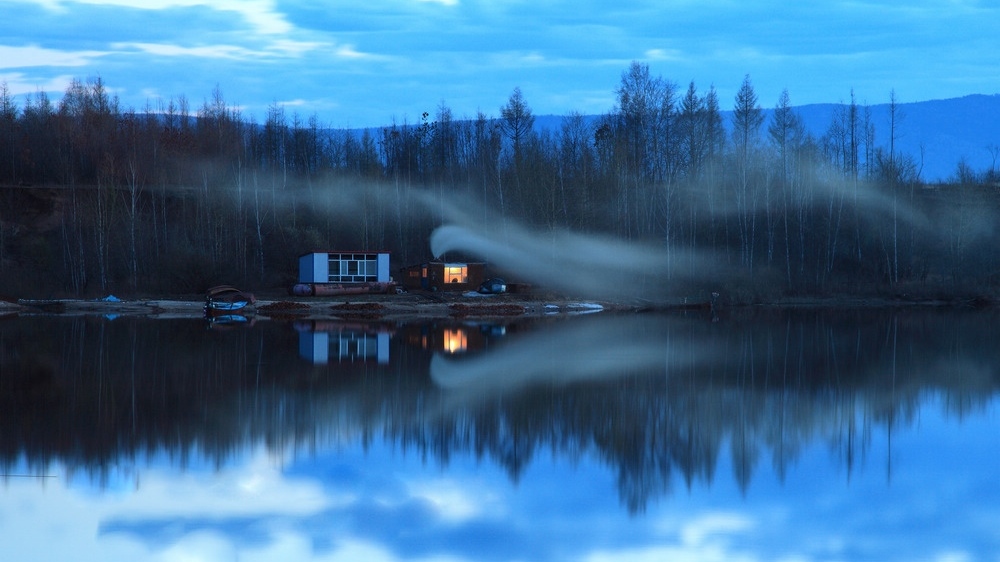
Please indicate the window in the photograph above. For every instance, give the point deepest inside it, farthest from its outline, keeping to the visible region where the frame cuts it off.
(455, 273)
(353, 268)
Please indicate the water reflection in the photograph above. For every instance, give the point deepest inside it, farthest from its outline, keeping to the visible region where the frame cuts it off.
(648, 408)
(324, 341)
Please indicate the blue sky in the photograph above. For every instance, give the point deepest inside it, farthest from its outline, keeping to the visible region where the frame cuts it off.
(368, 63)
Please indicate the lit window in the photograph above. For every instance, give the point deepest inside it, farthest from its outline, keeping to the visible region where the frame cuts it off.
(455, 274)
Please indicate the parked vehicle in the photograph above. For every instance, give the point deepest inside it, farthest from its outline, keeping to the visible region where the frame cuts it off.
(493, 286)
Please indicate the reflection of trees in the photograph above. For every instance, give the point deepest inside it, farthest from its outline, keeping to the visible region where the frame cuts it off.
(93, 394)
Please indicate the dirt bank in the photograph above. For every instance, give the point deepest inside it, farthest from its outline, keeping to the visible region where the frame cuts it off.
(424, 306)
(406, 306)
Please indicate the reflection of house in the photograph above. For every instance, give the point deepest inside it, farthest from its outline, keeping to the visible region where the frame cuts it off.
(338, 273)
(324, 343)
(444, 276)
(447, 339)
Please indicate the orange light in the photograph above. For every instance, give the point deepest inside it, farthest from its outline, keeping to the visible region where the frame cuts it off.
(455, 274)
(455, 341)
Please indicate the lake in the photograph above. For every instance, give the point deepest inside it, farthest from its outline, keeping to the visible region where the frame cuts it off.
(766, 434)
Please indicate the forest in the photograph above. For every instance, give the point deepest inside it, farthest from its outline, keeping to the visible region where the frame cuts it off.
(101, 199)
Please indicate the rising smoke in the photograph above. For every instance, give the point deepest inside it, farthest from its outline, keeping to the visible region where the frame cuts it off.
(585, 265)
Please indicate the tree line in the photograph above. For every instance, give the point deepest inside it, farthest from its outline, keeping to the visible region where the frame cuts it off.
(103, 198)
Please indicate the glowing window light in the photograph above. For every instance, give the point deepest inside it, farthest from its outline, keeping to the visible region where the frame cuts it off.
(455, 340)
(455, 274)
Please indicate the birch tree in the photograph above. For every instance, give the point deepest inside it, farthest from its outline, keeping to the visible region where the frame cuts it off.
(784, 131)
(747, 120)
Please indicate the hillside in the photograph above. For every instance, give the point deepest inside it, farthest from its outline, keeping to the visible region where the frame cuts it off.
(936, 133)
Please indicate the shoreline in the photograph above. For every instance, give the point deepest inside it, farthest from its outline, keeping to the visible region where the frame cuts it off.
(430, 306)
(392, 307)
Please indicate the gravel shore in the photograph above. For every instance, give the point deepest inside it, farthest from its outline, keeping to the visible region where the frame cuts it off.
(406, 306)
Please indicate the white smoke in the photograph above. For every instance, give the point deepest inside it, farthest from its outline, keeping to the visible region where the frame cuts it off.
(585, 265)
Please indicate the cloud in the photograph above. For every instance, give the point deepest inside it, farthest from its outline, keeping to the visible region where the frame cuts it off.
(208, 51)
(260, 14)
(664, 54)
(19, 84)
(35, 56)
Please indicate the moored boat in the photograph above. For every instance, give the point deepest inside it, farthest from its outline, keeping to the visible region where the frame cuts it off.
(226, 299)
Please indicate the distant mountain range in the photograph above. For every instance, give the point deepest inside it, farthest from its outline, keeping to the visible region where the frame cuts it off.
(936, 133)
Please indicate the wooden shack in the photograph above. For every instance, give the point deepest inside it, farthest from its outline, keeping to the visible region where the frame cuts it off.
(443, 276)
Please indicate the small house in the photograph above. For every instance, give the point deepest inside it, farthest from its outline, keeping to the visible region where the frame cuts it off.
(444, 276)
(334, 273)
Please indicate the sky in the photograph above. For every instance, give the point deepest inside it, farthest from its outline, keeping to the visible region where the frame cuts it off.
(360, 64)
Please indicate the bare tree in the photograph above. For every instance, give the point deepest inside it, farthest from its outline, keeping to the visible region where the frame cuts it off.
(516, 122)
(747, 120)
(8, 127)
(644, 149)
(785, 131)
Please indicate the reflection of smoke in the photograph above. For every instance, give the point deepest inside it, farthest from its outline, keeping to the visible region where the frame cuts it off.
(587, 348)
(579, 264)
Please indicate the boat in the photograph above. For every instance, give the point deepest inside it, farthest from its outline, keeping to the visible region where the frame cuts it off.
(226, 299)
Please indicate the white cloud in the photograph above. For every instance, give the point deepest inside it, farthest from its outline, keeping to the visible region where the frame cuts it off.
(349, 52)
(291, 48)
(19, 84)
(207, 51)
(664, 54)
(262, 15)
(33, 55)
(283, 49)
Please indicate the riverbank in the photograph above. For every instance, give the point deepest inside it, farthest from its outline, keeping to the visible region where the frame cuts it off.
(406, 306)
(429, 306)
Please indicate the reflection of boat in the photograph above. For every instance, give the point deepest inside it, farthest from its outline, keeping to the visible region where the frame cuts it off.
(225, 300)
(225, 320)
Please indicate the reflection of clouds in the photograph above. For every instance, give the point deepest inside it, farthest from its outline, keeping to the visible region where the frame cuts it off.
(454, 501)
(375, 504)
(703, 529)
(256, 487)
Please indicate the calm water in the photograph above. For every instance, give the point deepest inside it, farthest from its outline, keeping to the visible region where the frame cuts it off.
(773, 435)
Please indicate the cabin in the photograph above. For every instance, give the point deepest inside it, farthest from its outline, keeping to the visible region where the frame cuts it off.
(344, 267)
(341, 273)
(444, 276)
